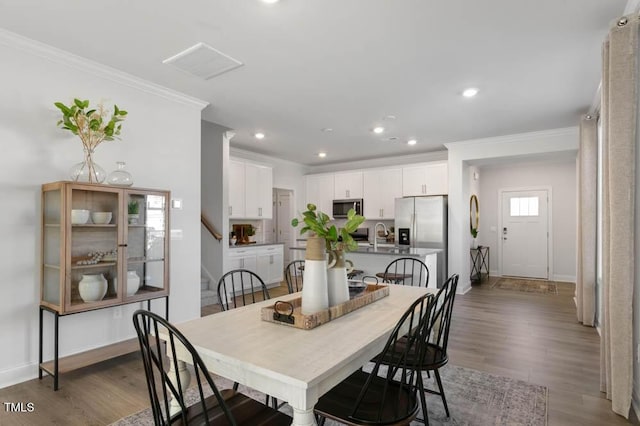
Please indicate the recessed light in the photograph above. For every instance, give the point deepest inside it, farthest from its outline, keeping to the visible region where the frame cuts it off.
(322, 154)
(412, 142)
(270, 1)
(259, 135)
(378, 130)
(389, 117)
(327, 129)
(470, 92)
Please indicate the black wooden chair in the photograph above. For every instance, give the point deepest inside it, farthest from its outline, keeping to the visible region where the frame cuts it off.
(293, 273)
(383, 397)
(406, 271)
(222, 407)
(435, 346)
(240, 287)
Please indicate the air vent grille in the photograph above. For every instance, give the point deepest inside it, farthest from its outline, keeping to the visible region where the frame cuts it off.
(203, 61)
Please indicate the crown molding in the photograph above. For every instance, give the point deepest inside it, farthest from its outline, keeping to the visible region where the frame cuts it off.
(518, 137)
(63, 57)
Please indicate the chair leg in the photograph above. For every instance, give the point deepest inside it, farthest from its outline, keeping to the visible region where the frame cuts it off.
(423, 399)
(444, 399)
(235, 386)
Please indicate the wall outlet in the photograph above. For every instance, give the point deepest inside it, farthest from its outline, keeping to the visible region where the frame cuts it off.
(117, 312)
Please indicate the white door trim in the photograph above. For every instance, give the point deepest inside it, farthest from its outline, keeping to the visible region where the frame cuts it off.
(549, 224)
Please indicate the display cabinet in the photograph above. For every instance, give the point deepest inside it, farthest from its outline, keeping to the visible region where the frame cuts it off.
(102, 246)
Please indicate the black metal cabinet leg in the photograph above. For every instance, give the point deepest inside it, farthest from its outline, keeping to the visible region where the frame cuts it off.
(55, 359)
(40, 347)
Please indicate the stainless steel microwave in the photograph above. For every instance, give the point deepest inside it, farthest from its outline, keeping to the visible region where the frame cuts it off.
(342, 207)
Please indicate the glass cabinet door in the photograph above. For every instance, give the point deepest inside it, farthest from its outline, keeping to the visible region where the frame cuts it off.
(92, 221)
(146, 244)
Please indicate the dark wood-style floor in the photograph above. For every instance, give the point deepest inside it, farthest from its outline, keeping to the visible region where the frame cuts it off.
(533, 337)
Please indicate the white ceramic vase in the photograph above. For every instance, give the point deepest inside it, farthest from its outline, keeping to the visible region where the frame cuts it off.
(337, 284)
(315, 296)
(133, 283)
(92, 288)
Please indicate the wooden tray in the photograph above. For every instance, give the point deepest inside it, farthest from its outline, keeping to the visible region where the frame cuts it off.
(285, 315)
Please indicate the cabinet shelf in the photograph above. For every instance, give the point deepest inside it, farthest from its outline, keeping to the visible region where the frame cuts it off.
(94, 265)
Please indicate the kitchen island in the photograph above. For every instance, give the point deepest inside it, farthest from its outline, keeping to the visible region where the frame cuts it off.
(372, 261)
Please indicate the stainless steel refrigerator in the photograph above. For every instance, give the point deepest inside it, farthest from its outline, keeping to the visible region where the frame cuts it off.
(421, 222)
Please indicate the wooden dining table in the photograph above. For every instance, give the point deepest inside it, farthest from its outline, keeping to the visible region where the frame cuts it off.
(294, 365)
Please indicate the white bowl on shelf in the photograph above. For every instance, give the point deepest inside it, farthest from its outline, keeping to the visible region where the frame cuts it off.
(79, 217)
(101, 218)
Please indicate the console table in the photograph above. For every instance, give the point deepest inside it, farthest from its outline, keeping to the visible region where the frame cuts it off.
(479, 263)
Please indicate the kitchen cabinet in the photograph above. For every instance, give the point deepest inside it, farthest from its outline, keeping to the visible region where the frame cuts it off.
(320, 191)
(381, 188)
(250, 190)
(265, 260)
(236, 189)
(425, 179)
(347, 185)
(96, 255)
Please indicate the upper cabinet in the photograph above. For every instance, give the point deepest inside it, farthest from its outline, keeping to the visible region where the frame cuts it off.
(320, 192)
(102, 246)
(250, 190)
(381, 188)
(425, 179)
(347, 185)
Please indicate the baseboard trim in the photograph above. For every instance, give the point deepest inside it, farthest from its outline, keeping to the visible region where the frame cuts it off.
(565, 278)
(20, 374)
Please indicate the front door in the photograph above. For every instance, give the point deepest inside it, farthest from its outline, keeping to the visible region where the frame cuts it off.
(525, 234)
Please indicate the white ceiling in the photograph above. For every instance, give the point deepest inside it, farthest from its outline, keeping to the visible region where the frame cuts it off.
(347, 64)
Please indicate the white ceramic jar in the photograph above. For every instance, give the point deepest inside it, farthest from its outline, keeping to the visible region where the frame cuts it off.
(92, 288)
(133, 283)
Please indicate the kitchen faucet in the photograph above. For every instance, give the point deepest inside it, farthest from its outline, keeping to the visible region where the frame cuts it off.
(375, 234)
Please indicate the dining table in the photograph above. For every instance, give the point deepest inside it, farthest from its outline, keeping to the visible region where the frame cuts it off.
(292, 364)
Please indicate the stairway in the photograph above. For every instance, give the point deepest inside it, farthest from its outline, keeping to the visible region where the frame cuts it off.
(208, 296)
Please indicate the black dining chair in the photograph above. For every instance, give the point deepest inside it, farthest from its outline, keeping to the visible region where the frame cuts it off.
(293, 274)
(241, 287)
(388, 394)
(157, 337)
(406, 271)
(434, 355)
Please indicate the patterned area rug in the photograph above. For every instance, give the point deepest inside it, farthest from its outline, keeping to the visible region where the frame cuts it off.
(474, 398)
(529, 286)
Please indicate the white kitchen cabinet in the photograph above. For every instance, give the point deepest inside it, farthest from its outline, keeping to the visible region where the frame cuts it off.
(250, 190)
(347, 185)
(258, 191)
(425, 179)
(265, 261)
(381, 188)
(320, 192)
(270, 264)
(236, 189)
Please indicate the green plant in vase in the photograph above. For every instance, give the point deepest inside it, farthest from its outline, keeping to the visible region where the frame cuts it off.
(92, 126)
(133, 209)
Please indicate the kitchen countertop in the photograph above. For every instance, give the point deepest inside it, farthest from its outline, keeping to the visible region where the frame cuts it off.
(390, 251)
(255, 245)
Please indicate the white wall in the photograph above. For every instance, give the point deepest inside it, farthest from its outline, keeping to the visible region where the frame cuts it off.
(561, 178)
(161, 146)
(466, 154)
(214, 178)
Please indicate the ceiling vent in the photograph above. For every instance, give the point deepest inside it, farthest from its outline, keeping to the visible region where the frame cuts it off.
(203, 61)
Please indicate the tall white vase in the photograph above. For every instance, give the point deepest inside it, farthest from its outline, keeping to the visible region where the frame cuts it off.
(337, 284)
(133, 283)
(315, 296)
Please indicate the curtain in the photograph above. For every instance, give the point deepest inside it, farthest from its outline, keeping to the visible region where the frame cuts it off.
(619, 120)
(587, 208)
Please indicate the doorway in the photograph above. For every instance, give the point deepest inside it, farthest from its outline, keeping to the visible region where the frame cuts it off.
(282, 215)
(524, 233)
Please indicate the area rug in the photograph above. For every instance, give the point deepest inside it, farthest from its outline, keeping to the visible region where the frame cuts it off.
(529, 286)
(474, 398)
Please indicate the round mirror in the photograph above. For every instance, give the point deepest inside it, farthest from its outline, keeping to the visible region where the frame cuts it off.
(474, 215)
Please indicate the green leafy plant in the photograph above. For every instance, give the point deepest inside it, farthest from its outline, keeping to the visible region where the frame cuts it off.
(474, 232)
(336, 238)
(92, 125)
(133, 207)
(250, 230)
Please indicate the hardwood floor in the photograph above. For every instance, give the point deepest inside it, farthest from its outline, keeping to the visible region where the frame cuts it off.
(533, 337)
